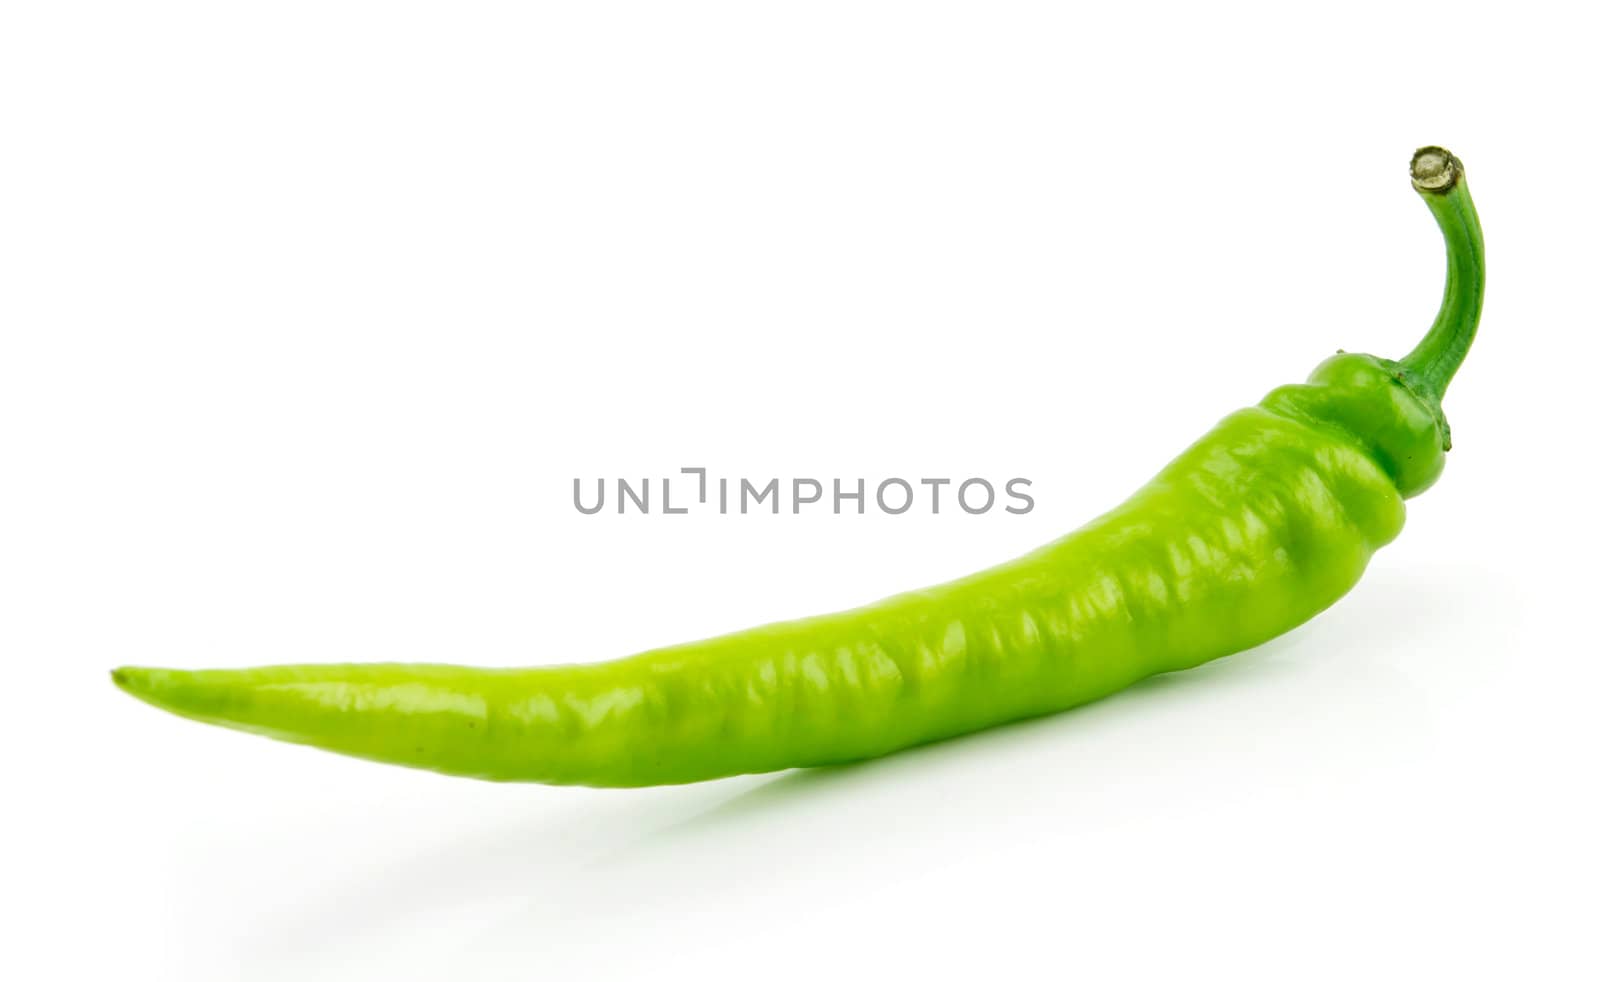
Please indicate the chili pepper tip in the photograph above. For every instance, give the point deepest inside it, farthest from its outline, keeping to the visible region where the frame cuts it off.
(133, 681)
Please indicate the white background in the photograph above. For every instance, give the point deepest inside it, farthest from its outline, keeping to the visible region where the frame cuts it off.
(312, 312)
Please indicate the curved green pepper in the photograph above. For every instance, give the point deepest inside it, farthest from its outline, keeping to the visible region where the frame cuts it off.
(1261, 524)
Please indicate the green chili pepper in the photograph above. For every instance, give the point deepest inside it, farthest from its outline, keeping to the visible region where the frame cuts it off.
(1267, 520)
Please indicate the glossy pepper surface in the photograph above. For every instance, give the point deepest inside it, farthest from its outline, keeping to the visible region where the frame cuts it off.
(1265, 521)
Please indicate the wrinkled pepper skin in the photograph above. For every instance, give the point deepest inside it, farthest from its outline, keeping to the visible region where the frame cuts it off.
(1265, 521)
(1258, 526)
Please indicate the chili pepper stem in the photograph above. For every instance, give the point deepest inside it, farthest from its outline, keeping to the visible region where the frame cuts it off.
(1438, 176)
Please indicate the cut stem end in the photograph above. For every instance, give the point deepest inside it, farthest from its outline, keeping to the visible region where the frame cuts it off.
(1434, 170)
